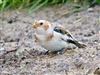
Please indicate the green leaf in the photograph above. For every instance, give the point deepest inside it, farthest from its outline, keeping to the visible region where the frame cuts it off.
(1, 2)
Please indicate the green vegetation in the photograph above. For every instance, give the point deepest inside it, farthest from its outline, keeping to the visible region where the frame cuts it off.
(33, 5)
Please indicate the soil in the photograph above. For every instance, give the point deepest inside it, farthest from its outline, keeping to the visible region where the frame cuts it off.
(20, 55)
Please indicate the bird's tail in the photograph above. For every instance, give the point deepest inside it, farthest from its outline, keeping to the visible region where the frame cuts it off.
(77, 43)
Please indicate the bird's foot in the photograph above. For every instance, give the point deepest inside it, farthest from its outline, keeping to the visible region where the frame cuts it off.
(46, 53)
(59, 51)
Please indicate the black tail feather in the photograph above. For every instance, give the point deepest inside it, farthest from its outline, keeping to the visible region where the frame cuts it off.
(78, 44)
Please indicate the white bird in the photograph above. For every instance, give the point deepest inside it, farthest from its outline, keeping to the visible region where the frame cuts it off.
(53, 37)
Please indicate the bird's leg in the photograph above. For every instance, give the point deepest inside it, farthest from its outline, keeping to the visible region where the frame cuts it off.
(46, 53)
(61, 51)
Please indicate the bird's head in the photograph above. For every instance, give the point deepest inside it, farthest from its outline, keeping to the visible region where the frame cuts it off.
(41, 26)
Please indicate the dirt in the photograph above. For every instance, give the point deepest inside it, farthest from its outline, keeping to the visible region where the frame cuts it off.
(20, 55)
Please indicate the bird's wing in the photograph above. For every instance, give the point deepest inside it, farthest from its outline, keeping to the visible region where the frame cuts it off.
(63, 31)
(68, 37)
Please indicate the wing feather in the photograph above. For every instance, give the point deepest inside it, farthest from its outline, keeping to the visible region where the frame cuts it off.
(70, 38)
(63, 31)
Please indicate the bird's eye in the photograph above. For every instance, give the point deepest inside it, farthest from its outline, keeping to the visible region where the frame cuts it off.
(41, 23)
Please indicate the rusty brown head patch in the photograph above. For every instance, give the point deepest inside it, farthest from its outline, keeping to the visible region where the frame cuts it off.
(41, 23)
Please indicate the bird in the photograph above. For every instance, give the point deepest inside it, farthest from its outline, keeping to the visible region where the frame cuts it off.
(54, 38)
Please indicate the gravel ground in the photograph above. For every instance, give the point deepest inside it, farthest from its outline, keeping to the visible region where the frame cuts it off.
(20, 55)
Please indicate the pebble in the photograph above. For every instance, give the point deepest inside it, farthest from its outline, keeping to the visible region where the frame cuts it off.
(90, 10)
(2, 49)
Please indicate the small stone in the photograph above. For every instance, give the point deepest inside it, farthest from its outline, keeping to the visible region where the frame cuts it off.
(90, 10)
(2, 49)
(98, 48)
(78, 62)
(12, 46)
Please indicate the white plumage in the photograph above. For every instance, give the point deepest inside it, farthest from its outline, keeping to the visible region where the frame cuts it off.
(53, 37)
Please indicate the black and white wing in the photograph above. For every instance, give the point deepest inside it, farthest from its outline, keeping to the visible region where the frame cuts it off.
(71, 39)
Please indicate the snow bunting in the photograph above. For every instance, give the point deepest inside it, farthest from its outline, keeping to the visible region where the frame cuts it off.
(53, 37)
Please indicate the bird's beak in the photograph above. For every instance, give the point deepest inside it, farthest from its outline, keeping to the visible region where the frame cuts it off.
(34, 24)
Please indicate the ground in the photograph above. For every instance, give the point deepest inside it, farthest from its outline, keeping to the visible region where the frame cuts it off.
(20, 55)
